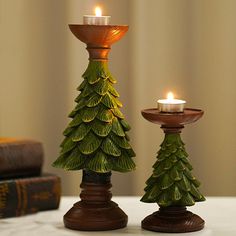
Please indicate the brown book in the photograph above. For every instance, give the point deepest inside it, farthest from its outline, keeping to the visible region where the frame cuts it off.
(19, 158)
(29, 195)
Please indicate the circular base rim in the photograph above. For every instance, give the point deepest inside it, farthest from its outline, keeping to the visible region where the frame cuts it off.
(95, 218)
(182, 223)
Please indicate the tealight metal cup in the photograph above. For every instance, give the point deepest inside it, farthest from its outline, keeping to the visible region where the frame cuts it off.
(171, 107)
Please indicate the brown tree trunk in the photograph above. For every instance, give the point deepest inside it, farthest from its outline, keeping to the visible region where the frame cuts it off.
(95, 211)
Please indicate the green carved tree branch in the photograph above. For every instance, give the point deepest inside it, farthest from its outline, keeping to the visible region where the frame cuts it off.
(96, 139)
(172, 183)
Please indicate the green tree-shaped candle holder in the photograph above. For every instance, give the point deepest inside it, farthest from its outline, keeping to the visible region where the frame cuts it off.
(96, 139)
(172, 185)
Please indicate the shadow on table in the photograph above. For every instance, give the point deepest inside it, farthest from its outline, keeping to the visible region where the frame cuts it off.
(129, 230)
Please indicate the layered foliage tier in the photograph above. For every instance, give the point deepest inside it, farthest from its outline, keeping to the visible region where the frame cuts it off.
(96, 139)
(172, 183)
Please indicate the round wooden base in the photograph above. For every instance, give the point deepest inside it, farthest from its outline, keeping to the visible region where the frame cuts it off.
(173, 220)
(95, 217)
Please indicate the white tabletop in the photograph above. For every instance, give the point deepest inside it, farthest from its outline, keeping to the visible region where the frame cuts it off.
(219, 214)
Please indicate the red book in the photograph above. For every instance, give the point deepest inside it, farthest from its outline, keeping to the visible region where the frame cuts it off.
(29, 195)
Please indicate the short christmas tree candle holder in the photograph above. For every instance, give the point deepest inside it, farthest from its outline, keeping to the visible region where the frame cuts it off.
(172, 185)
(96, 139)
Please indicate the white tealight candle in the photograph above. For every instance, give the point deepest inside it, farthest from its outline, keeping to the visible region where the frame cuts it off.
(96, 19)
(170, 104)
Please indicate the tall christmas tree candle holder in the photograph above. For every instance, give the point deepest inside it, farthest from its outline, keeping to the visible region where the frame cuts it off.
(172, 185)
(96, 140)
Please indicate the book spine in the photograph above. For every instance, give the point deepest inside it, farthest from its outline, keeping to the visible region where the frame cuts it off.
(29, 195)
(19, 159)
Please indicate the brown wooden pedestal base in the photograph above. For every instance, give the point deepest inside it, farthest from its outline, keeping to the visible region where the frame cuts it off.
(95, 211)
(173, 220)
(92, 217)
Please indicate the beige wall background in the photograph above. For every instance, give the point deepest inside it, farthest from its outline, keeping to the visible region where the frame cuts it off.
(184, 46)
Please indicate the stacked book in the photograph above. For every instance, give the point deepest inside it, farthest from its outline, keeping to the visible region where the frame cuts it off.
(23, 188)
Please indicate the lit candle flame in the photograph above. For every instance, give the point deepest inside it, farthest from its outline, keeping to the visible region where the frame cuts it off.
(170, 96)
(98, 11)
